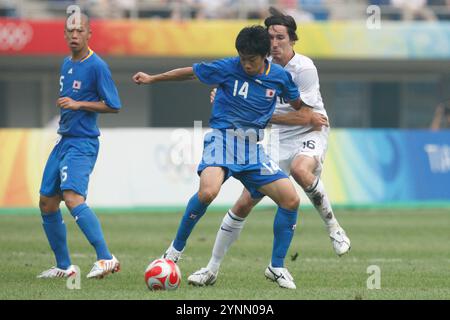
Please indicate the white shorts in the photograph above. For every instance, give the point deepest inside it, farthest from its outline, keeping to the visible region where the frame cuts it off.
(283, 150)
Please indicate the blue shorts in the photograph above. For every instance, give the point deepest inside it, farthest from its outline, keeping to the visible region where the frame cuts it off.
(69, 166)
(253, 169)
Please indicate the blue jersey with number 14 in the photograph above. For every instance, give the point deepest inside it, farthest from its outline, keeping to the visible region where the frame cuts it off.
(243, 101)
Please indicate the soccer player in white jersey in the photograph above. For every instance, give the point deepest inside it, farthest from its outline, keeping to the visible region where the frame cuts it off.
(301, 150)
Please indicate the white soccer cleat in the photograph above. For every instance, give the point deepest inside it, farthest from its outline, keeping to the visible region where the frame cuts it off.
(172, 254)
(104, 267)
(341, 243)
(55, 272)
(281, 276)
(202, 277)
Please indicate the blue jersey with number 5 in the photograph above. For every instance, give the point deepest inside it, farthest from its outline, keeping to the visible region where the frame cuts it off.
(243, 101)
(86, 80)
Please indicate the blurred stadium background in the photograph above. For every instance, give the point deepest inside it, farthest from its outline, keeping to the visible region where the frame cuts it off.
(383, 86)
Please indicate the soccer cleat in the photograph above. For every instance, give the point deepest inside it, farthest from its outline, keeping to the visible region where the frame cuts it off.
(340, 241)
(55, 272)
(172, 254)
(202, 277)
(281, 276)
(104, 267)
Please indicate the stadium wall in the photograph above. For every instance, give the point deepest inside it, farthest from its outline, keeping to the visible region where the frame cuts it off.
(392, 77)
(215, 38)
(357, 94)
(155, 168)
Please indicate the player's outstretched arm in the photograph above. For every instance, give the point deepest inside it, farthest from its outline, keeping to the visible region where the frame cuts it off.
(180, 74)
(303, 117)
(438, 114)
(98, 106)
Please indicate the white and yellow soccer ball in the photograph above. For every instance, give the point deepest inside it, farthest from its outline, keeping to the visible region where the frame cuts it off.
(162, 274)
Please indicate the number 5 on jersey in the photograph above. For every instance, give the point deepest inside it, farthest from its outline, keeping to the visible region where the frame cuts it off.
(63, 173)
(61, 84)
(243, 91)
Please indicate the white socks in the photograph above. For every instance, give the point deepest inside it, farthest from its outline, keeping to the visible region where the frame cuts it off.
(319, 198)
(228, 233)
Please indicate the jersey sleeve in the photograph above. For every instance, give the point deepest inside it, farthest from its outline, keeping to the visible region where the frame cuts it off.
(308, 83)
(106, 88)
(212, 73)
(290, 90)
(61, 77)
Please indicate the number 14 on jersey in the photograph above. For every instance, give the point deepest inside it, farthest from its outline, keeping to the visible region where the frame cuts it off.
(243, 91)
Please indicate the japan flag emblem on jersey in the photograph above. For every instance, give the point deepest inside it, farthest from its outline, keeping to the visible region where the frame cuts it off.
(270, 93)
(76, 84)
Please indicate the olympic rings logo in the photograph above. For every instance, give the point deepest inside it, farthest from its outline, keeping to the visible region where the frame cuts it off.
(15, 36)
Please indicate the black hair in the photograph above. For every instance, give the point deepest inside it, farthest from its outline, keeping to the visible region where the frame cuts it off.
(278, 18)
(253, 40)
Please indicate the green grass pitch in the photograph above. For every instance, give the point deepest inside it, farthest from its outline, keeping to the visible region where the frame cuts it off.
(411, 247)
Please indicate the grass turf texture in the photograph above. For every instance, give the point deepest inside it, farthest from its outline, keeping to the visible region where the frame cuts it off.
(411, 247)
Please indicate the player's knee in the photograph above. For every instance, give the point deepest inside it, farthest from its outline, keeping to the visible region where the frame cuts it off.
(301, 174)
(43, 205)
(72, 201)
(291, 202)
(207, 196)
(46, 205)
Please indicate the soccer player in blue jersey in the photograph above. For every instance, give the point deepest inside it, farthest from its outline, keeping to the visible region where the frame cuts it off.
(301, 150)
(86, 89)
(247, 89)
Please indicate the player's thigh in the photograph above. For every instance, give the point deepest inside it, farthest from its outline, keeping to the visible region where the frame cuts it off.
(211, 180)
(314, 146)
(244, 204)
(260, 177)
(304, 162)
(51, 178)
(76, 169)
(303, 169)
(283, 192)
(282, 151)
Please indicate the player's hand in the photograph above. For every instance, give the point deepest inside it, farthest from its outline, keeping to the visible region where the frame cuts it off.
(68, 103)
(142, 78)
(212, 95)
(318, 120)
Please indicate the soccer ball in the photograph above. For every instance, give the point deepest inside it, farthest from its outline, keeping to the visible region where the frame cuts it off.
(162, 274)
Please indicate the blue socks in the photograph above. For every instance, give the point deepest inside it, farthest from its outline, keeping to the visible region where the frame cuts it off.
(194, 211)
(283, 232)
(56, 232)
(89, 224)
